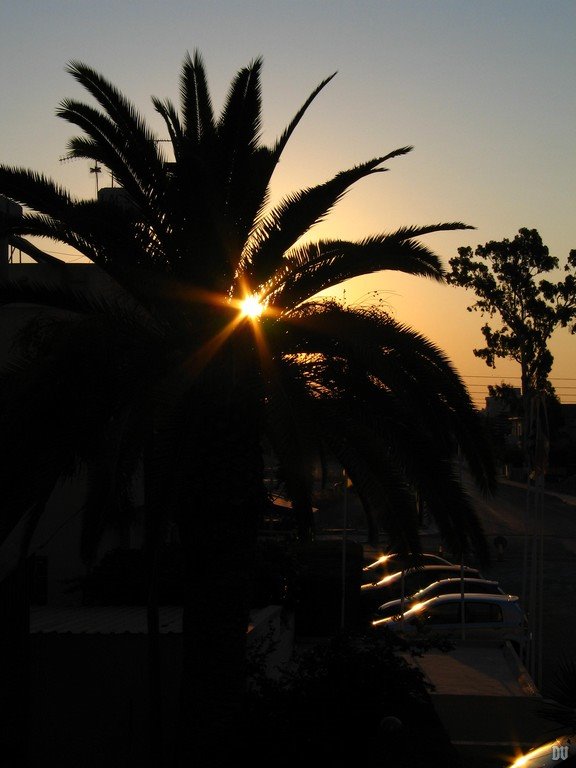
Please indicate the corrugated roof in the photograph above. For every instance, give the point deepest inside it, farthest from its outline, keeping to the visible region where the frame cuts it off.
(102, 619)
(113, 619)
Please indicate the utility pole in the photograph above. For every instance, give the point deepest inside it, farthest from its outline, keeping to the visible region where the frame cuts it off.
(344, 553)
(536, 443)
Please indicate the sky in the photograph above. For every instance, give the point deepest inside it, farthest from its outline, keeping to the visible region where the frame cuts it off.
(484, 91)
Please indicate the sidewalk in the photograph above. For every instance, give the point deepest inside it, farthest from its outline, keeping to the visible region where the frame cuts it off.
(567, 498)
(486, 701)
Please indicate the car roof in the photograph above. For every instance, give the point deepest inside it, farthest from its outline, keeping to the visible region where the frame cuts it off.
(469, 597)
(391, 556)
(469, 579)
(432, 569)
(425, 569)
(475, 597)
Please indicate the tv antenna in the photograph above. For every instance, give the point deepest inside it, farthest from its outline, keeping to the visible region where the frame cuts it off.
(96, 169)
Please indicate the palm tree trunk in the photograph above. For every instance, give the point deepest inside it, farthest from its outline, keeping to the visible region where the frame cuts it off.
(218, 535)
(218, 589)
(152, 550)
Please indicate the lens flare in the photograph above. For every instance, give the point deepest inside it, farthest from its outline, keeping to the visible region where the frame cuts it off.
(252, 307)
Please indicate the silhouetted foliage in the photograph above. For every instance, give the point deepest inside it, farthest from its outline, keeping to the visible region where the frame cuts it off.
(355, 688)
(161, 371)
(508, 278)
(560, 706)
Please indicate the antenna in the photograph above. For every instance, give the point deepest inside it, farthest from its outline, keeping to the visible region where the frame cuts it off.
(96, 169)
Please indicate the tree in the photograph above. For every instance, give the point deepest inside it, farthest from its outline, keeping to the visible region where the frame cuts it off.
(504, 278)
(207, 337)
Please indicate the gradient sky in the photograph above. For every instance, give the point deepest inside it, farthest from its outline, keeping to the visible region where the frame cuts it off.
(483, 90)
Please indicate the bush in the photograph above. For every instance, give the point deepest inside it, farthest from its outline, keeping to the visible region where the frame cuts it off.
(353, 694)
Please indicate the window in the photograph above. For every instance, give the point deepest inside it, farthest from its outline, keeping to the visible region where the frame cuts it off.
(486, 589)
(447, 613)
(483, 613)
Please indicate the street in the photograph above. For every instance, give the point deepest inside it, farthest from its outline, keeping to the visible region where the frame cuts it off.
(503, 515)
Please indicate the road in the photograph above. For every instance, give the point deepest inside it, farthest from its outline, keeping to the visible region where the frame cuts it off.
(504, 515)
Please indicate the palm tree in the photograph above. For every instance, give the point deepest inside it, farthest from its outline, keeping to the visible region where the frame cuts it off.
(210, 335)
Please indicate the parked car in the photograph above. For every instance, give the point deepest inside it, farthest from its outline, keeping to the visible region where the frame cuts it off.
(486, 617)
(442, 587)
(559, 752)
(393, 586)
(392, 562)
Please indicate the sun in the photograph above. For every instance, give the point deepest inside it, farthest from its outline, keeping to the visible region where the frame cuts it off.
(252, 307)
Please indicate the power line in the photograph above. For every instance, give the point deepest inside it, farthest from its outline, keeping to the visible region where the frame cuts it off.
(477, 376)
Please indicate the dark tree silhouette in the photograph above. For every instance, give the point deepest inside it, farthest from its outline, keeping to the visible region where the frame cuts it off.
(166, 370)
(507, 278)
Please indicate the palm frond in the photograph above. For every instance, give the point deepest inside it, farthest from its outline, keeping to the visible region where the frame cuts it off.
(384, 491)
(328, 414)
(35, 191)
(253, 198)
(403, 361)
(385, 423)
(295, 215)
(240, 122)
(137, 136)
(313, 267)
(560, 707)
(144, 182)
(111, 303)
(196, 106)
(290, 432)
(169, 114)
(40, 225)
(280, 144)
(106, 245)
(263, 163)
(240, 160)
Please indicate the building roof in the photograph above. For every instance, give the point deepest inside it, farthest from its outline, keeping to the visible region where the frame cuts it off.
(117, 619)
(109, 619)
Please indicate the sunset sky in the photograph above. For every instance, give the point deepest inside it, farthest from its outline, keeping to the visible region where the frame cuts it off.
(483, 90)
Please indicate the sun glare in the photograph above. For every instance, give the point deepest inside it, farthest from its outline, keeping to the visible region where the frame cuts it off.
(251, 307)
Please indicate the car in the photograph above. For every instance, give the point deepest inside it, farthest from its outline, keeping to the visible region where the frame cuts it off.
(407, 582)
(486, 617)
(442, 587)
(387, 564)
(552, 754)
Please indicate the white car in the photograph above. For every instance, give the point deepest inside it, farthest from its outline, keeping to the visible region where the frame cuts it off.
(391, 562)
(442, 587)
(473, 616)
(553, 754)
(407, 582)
